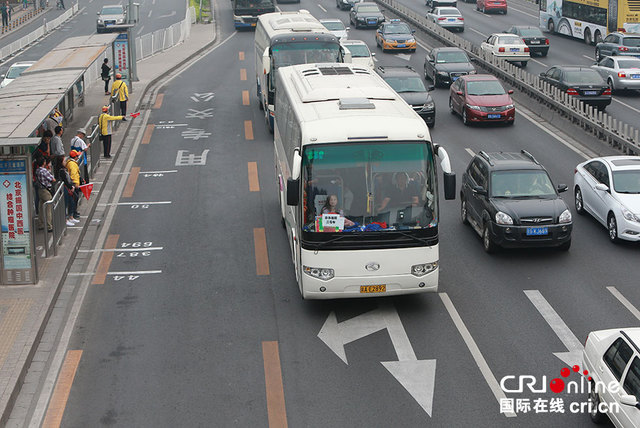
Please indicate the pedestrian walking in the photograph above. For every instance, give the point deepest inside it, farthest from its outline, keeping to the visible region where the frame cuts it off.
(57, 149)
(25, 4)
(5, 17)
(106, 75)
(9, 10)
(104, 122)
(44, 180)
(120, 89)
(78, 144)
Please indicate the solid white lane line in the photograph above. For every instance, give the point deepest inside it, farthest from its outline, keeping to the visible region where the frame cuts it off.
(475, 352)
(564, 333)
(468, 150)
(121, 249)
(323, 9)
(136, 203)
(135, 272)
(627, 304)
(539, 62)
(158, 172)
(588, 57)
(523, 12)
(478, 32)
(626, 105)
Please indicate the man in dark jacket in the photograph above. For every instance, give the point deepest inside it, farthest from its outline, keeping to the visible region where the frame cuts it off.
(106, 75)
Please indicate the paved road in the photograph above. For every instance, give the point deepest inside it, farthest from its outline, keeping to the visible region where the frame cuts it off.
(184, 346)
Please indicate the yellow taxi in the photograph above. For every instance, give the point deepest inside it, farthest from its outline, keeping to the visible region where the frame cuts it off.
(395, 35)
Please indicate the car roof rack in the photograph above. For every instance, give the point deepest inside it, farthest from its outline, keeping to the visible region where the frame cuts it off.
(484, 155)
(530, 156)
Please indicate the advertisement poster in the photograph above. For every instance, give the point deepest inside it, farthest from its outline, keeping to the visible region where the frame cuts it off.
(16, 239)
(121, 59)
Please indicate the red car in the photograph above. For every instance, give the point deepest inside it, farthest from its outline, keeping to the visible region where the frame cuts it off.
(481, 98)
(492, 5)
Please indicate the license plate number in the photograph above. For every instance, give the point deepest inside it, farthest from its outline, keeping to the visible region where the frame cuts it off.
(402, 45)
(371, 21)
(515, 49)
(494, 116)
(537, 231)
(635, 76)
(373, 288)
(535, 42)
(253, 24)
(590, 92)
(452, 19)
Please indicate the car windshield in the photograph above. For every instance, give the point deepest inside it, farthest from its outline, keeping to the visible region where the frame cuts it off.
(632, 42)
(406, 84)
(629, 63)
(111, 11)
(368, 187)
(333, 26)
(451, 57)
(449, 11)
(484, 87)
(509, 40)
(368, 9)
(530, 32)
(397, 29)
(626, 181)
(521, 184)
(16, 71)
(583, 77)
(359, 51)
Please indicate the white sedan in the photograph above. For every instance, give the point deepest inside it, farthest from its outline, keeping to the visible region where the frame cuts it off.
(360, 53)
(612, 361)
(608, 188)
(336, 27)
(447, 17)
(508, 47)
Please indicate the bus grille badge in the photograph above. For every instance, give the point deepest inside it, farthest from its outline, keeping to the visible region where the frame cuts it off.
(372, 266)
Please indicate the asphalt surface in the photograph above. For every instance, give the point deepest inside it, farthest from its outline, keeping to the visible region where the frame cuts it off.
(183, 347)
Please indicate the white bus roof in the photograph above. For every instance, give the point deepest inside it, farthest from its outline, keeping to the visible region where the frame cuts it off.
(337, 102)
(302, 21)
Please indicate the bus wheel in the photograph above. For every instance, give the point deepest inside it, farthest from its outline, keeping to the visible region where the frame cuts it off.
(551, 26)
(587, 37)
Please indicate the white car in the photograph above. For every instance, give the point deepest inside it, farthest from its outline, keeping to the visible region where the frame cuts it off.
(447, 17)
(612, 359)
(608, 188)
(336, 27)
(508, 47)
(14, 71)
(360, 53)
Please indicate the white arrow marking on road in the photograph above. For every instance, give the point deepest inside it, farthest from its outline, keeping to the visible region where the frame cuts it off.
(405, 57)
(416, 376)
(566, 336)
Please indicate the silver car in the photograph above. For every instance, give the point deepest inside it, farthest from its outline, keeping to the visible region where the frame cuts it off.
(110, 16)
(619, 72)
(336, 27)
(447, 17)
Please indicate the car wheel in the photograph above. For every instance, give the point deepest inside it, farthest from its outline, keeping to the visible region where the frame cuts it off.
(612, 225)
(598, 56)
(451, 109)
(578, 201)
(523, 64)
(484, 9)
(504, 11)
(565, 246)
(544, 53)
(465, 119)
(464, 216)
(551, 26)
(594, 413)
(487, 243)
(610, 83)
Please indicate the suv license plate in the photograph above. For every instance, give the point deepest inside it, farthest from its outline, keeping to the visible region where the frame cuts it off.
(373, 288)
(537, 231)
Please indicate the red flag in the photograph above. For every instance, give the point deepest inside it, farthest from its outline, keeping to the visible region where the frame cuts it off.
(86, 190)
(134, 115)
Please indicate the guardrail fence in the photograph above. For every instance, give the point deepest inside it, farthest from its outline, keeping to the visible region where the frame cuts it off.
(157, 41)
(59, 221)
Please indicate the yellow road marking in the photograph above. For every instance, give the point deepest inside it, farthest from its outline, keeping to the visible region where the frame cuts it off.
(58, 402)
(243, 74)
(158, 103)
(131, 182)
(248, 130)
(146, 138)
(245, 98)
(105, 260)
(254, 183)
(276, 409)
(241, 56)
(262, 257)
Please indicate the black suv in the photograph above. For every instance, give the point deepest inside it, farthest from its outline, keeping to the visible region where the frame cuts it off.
(408, 84)
(510, 201)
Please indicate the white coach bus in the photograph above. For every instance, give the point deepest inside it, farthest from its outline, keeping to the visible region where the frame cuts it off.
(289, 38)
(356, 171)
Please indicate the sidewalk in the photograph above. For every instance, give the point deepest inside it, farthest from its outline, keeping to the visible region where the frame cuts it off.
(25, 310)
(21, 16)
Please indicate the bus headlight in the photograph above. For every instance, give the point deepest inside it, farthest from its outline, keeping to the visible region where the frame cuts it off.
(323, 274)
(423, 269)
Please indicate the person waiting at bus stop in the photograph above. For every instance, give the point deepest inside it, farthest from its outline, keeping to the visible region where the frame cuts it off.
(119, 88)
(105, 129)
(44, 181)
(78, 144)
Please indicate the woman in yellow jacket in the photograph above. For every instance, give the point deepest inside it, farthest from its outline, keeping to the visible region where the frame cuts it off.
(74, 173)
(105, 129)
(120, 88)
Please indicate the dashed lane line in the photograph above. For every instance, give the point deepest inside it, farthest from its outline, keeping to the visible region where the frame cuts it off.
(626, 303)
(276, 409)
(105, 261)
(254, 183)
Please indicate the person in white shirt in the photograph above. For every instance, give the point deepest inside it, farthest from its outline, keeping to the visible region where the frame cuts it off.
(78, 144)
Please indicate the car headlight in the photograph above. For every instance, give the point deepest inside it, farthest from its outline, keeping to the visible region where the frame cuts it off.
(508, 106)
(323, 274)
(411, 40)
(443, 73)
(473, 72)
(99, 20)
(473, 107)
(360, 19)
(502, 218)
(429, 106)
(423, 269)
(565, 217)
(630, 216)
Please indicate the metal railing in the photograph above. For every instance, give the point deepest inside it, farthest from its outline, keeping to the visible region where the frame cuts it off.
(95, 146)
(615, 132)
(157, 41)
(59, 221)
(36, 34)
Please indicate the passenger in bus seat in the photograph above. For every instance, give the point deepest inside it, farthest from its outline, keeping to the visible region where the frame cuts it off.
(331, 207)
(403, 192)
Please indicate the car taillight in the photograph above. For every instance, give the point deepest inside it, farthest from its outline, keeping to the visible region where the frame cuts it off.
(546, 41)
(575, 170)
(500, 49)
(526, 49)
(572, 91)
(460, 18)
(607, 91)
(623, 48)
(622, 74)
(441, 19)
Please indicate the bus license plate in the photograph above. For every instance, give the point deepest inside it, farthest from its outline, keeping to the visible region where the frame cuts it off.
(590, 92)
(373, 288)
(253, 24)
(493, 116)
(537, 231)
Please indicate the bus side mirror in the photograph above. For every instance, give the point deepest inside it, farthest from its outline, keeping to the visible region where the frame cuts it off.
(266, 61)
(293, 191)
(449, 185)
(346, 55)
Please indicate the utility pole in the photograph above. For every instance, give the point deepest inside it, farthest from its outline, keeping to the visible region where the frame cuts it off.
(132, 19)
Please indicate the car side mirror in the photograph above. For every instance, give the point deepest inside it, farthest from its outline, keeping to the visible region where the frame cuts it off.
(480, 190)
(2, 76)
(628, 400)
(431, 60)
(602, 187)
(373, 54)
(510, 91)
(347, 28)
(413, 31)
(543, 74)
(98, 13)
(562, 188)
(430, 88)
(459, 93)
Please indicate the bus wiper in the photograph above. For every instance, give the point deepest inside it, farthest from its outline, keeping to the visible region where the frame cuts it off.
(422, 240)
(321, 244)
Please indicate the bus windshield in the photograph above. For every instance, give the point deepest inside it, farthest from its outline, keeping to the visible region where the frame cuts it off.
(305, 53)
(368, 187)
